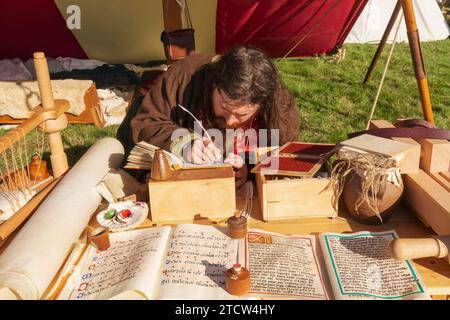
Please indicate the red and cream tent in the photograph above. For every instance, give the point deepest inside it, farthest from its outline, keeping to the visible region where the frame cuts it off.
(286, 27)
(370, 26)
(129, 31)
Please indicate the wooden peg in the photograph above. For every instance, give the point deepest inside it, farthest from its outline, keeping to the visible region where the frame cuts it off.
(237, 280)
(160, 166)
(237, 226)
(404, 249)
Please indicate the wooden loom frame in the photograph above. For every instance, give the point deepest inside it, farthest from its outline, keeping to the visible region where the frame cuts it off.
(49, 117)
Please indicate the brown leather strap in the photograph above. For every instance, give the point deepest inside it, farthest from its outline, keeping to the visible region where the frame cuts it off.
(416, 133)
(413, 123)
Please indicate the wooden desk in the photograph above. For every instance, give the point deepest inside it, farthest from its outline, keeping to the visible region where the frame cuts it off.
(434, 272)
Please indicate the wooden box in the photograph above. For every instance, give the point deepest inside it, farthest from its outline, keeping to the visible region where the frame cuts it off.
(291, 189)
(293, 198)
(406, 155)
(193, 194)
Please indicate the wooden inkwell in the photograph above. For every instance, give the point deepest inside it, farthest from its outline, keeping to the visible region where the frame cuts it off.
(38, 168)
(237, 226)
(160, 167)
(237, 280)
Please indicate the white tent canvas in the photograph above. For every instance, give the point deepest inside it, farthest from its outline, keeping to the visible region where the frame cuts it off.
(371, 24)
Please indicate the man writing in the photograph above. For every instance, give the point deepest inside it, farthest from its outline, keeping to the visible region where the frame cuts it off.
(239, 90)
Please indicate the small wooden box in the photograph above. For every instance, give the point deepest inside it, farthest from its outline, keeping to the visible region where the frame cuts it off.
(406, 155)
(293, 198)
(193, 194)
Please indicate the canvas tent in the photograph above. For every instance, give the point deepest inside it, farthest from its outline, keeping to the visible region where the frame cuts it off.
(297, 27)
(120, 31)
(372, 22)
(115, 31)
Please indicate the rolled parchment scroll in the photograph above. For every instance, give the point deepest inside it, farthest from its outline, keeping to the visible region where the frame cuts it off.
(29, 263)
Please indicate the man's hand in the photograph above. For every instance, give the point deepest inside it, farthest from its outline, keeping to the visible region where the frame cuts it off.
(203, 151)
(240, 169)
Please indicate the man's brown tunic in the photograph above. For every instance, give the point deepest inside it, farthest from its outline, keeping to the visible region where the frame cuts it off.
(184, 83)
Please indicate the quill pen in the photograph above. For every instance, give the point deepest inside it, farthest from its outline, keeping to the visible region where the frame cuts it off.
(196, 120)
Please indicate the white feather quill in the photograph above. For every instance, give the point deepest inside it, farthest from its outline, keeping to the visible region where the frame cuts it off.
(196, 120)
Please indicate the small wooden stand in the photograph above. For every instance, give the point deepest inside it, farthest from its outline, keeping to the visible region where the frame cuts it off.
(192, 194)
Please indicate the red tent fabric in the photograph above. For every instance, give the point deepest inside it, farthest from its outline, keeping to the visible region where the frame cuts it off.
(277, 26)
(35, 25)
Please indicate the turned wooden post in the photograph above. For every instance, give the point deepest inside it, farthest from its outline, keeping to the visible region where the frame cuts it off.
(58, 157)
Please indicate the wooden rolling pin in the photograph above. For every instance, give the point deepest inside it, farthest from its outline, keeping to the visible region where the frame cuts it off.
(404, 249)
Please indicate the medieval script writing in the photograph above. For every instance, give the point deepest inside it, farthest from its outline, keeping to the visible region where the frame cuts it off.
(196, 261)
(363, 268)
(282, 265)
(131, 263)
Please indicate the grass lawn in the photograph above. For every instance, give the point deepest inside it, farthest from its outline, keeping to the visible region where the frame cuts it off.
(333, 102)
(331, 99)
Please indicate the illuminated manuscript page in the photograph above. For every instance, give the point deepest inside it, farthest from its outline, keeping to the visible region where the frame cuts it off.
(285, 266)
(196, 261)
(360, 267)
(132, 263)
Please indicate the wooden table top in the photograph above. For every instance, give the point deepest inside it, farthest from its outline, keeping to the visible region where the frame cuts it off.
(434, 272)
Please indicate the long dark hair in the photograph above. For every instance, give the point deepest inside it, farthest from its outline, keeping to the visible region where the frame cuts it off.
(248, 75)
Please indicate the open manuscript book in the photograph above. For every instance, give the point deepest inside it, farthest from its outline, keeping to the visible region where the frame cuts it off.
(142, 154)
(189, 262)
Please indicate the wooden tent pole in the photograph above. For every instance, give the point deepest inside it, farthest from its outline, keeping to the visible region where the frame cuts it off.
(417, 58)
(383, 41)
(58, 157)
